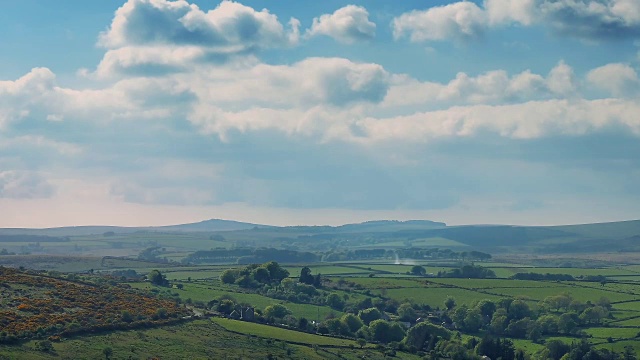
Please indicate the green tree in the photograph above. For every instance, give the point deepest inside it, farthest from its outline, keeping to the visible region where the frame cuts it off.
(337, 327)
(459, 314)
(486, 308)
(406, 312)
(380, 330)
(362, 342)
(629, 353)
(226, 306)
(556, 349)
(261, 275)
(499, 321)
(44, 346)
(473, 320)
(352, 322)
(548, 324)
(567, 323)
(126, 316)
(277, 311)
(306, 277)
(229, 276)
(519, 309)
(369, 315)
(450, 303)
(418, 335)
(418, 270)
(157, 278)
(107, 352)
(335, 301)
(161, 313)
(276, 272)
(383, 331)
(593, 314)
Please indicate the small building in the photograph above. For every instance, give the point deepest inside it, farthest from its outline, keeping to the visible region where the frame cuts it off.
(247, 314)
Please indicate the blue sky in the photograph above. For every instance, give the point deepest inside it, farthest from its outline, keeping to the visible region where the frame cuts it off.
(287, 112)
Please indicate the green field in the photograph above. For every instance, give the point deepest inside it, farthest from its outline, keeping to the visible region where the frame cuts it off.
(614, 332)
(435, 297)
(382, 280)
(280, 334)
(200, 339)
(206, 293)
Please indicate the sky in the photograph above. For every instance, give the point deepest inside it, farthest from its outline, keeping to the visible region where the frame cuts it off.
(153, 112)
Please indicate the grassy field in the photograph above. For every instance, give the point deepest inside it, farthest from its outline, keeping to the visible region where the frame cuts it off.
(436, 296)
(280, 334)
(388, 280)
(206, 293)
(201, 339)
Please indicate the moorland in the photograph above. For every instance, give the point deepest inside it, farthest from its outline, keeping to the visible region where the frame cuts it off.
(382, 289)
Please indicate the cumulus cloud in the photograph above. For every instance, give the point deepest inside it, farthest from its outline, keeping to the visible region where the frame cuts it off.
(308, 83)
(593, 19)
(461, 20)
(492, 87)
(618, 79)
(511, 11)
(347, 25)
(230, 25)
(585, 19)
(562, 80)
(527, 120)
(148, 37)
(19, 97)
(24, 185)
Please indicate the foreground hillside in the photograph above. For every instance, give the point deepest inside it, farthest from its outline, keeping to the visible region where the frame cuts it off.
(34, 305)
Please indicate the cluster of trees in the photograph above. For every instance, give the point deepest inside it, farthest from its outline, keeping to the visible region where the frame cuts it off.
(540, 277)
(386, 321)
(6, 252)
(254, 275)
(152, 254)
(250, 256)
(406, 253)
(558, 314)
(556, 350)
(158, 278)
(468, 271)
(124, 275)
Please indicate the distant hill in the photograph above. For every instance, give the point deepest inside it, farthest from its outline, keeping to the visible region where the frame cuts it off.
(612, 236)
(390, 225)
(212, 225)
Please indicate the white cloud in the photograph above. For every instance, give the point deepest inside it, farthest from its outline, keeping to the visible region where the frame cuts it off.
(561, 80)
(507, 11)
(347, 25)
(492, 87)
(618, 79)
(19, 97)
(527, 120)
(592, 20)
(310, 82)
(461, 20)
(39, 141)
(24, 185)
(231, 24)
(150, 37)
